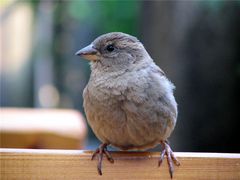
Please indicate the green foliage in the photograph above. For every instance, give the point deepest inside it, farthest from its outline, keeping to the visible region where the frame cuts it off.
(80, 10)
(108, 15)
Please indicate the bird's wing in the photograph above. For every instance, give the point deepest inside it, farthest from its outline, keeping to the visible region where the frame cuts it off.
(150, 104)
(159, 70)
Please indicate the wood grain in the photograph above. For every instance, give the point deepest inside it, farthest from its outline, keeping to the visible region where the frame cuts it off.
(76, 164)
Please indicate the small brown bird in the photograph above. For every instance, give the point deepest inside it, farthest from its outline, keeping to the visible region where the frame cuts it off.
(128, 100)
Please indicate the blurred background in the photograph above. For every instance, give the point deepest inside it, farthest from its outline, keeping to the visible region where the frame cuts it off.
(196, 43)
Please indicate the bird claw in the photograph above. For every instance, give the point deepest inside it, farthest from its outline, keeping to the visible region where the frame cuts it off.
(102, 149)
(170, 158)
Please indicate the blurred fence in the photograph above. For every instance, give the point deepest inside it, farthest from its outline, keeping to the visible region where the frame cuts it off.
(196, 43)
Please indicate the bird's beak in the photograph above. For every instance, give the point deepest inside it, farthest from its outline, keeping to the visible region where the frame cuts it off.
(89, 53)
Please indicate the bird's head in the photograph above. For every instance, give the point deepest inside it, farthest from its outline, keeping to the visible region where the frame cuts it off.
(114, 49)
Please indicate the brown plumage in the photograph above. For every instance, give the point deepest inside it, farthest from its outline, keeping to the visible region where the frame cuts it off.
(128, 100)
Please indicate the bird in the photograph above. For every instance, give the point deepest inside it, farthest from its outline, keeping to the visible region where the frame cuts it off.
(128, 100)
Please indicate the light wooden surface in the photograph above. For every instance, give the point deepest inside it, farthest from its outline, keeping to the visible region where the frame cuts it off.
(42, 128)
(73, 164)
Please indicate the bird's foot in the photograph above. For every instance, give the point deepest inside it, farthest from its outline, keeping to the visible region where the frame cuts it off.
(102, 149)
(170, 157)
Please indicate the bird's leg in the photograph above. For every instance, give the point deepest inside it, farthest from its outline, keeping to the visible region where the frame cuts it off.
(102, 149)
(170, 157)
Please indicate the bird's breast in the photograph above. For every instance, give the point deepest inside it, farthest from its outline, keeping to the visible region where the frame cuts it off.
(127, 112)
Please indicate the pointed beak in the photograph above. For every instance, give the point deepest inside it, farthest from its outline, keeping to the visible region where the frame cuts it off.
(89, 53)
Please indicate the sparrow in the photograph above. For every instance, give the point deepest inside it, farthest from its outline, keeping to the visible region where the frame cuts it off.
(128, 101)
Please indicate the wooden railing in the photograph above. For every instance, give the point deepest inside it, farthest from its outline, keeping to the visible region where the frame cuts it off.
(42, 128)
(76, 164)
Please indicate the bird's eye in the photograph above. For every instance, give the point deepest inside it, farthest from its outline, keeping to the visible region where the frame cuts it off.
(110, 48)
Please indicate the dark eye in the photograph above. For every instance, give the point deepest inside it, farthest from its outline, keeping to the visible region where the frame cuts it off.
(110, 48)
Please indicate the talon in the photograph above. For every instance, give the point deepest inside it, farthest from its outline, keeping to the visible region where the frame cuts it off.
(170, 158)
(99, 166)
(102, 149)
(161, 157)
(176, 162)
(108, 155)
(95, 153)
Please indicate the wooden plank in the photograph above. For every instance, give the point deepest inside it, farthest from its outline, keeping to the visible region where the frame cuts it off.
(76, 164)
(42, 128)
